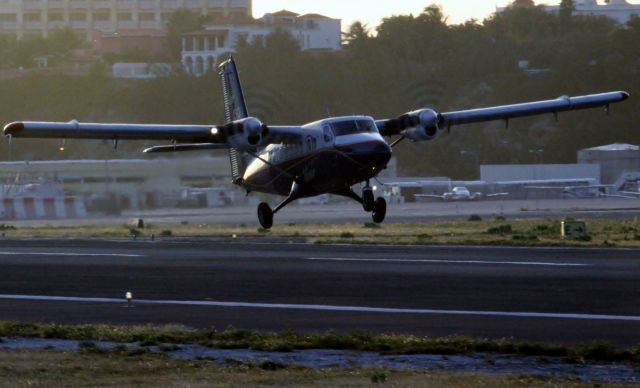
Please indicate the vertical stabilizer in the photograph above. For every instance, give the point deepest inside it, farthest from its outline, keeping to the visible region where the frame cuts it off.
(235, 109)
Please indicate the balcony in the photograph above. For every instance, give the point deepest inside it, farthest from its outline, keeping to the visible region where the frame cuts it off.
(56, 24)
(77, 24)
(193, 3)
(151, 24)
(239, 3)
(8, 25)
(33, 25)
(55, 4)
(102, 4)
(125, 4)
(78, 4)
(127, 24)
(170, 4)
(147, 4)
(102, 25)
(33, 4)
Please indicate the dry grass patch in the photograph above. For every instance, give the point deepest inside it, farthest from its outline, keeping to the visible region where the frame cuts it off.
(500, 231)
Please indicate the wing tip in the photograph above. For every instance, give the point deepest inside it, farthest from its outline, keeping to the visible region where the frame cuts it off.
(13, 128)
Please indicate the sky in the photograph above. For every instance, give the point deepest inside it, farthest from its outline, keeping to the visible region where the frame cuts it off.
(372, 11)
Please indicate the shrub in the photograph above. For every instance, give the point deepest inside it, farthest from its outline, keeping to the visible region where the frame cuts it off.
(501, 229)
(346, 235)
(475, 217)
(166, 233)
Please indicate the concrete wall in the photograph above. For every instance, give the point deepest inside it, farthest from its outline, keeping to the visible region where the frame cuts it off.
(539, 172)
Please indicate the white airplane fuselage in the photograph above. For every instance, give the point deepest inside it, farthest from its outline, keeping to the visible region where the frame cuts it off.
(333, 155)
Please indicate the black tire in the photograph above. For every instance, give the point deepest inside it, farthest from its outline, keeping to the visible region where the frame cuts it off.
(379, 210)
(368, 201)
(265, 215)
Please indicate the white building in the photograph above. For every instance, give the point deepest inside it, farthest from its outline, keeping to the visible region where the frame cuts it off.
(201, 50)
(619, 10)
(39, 17)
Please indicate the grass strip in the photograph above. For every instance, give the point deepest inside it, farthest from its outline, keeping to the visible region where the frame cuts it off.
(498, 231)
(120, 368)
(233, 338)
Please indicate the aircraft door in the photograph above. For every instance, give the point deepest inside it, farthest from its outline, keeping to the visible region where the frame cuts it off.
(328, 135)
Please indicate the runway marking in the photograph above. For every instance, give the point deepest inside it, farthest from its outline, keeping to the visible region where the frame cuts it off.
(68, 254)
(483, 262)
(316, 307)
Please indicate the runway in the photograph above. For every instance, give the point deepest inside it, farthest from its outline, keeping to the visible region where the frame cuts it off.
(566, 295)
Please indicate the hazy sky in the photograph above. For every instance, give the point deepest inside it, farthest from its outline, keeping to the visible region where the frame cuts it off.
(371, 11)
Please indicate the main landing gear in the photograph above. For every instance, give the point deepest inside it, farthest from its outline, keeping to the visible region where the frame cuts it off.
(376, 206)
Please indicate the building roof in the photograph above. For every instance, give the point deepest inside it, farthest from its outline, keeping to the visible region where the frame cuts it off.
(284, 12)
(314, 16)
(615, 147)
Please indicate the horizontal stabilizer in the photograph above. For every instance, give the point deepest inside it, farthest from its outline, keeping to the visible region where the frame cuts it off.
(185, 147)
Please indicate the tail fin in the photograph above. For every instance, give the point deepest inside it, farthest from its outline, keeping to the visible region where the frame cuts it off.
(235, 109)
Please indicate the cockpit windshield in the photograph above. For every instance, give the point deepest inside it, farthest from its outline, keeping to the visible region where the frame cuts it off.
(350, 127)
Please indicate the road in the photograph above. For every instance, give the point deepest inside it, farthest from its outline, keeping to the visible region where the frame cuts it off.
(566, 295)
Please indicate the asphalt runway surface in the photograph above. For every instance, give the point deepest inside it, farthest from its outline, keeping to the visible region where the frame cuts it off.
(565, 295)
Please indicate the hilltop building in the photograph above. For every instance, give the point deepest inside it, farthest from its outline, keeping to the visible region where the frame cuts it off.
(201, 50)
(39, 17)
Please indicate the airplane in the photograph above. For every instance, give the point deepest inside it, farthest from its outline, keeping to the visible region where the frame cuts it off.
(460, 193)
(326, 156)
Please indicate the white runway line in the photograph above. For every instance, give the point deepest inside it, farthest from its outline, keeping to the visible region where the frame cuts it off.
(315, 307)
(483, 262)
(68, 254)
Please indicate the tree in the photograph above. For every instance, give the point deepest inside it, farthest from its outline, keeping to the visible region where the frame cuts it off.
(522, 3)
(357, 36)
(567, 7)
(63, 40)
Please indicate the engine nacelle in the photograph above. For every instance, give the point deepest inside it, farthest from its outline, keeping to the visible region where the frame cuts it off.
(421, 125)
(245, 134)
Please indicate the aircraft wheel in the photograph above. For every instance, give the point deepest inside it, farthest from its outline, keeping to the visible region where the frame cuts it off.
(265, 215)
(379, 210)
(368, 202)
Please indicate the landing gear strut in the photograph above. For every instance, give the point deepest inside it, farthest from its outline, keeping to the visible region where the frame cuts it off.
(265, 214)
(368, 199)
(377, 207)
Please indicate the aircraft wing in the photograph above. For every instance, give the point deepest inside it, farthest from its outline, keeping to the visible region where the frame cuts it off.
(431, 121)
(76, 130)
(244, 134)
(496, 195)
(429, 196)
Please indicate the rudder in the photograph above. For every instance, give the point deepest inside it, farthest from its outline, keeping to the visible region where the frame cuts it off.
(235, 108)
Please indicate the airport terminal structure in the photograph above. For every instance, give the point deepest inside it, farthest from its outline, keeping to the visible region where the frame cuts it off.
(110, 186)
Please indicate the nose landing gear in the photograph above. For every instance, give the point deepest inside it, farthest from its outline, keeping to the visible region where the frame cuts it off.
(265, 214)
